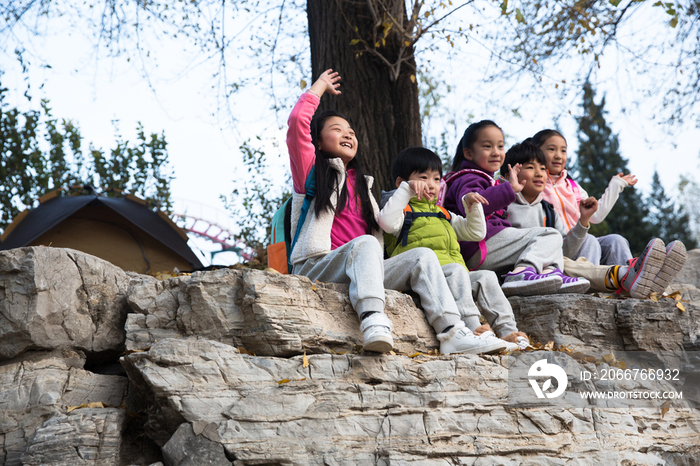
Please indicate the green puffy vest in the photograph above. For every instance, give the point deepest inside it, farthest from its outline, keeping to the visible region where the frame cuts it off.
(428, 232)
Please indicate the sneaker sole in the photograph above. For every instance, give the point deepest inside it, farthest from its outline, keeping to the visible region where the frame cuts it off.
(380, 345)
(532, 288)
(576, 287)
(643, 286)
(482, 349)
(673, 263)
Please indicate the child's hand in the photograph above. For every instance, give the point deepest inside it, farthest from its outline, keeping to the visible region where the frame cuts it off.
(470, 199)
(630, 179)
(587, 207)
(327, 82)
(420, 188)
(513, 178)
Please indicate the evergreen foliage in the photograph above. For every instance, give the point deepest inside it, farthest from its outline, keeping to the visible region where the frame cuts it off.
(39, 153)
(598, 159)
(668, 221)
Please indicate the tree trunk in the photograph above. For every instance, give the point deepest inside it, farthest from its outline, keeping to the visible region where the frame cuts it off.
(384, 113)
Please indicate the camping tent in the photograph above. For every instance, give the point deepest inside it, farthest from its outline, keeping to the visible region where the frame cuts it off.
(121, 230)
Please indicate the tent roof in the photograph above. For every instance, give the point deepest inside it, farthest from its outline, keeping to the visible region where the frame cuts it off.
(32, 223)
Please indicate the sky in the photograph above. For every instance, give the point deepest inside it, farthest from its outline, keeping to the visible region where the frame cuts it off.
(179, 100)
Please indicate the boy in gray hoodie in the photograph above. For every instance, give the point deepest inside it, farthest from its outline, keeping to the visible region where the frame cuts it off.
(642, 276)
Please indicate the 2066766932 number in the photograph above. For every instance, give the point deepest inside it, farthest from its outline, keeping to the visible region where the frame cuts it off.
(638, 374)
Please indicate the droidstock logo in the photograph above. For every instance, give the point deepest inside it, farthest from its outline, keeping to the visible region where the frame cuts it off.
(542, 369)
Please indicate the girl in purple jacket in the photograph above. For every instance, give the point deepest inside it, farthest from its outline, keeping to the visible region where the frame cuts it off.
(533, 255)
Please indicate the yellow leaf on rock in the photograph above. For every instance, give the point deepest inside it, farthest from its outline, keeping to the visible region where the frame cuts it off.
(677, 295)
(654, 297)
(302, 84)
(665, 408)
(549, 346)
(413, 78)
(73, 408)
(680, 306)
(305, 361)
(283, 381)
(609, 358)
(417, 353)
(314, 287)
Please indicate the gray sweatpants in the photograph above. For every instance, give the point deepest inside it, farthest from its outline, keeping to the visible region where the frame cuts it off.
(361, 263)
(537, 247)
(487, 293)
(605, 250)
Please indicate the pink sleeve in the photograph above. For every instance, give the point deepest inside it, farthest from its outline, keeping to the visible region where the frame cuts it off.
(302, 155)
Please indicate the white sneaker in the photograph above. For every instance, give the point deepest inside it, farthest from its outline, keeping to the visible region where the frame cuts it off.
(376, 333)
(491, 338)
(461, 340)
(523, 342)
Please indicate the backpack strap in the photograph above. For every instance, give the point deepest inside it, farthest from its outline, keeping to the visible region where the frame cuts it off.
(310, 188)
(575, 188)
(409, 215)
(548, 213)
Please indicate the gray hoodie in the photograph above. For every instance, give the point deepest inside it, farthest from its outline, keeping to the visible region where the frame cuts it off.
(522, 214)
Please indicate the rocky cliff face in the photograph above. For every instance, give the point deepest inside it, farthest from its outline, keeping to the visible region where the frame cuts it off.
(102, 367)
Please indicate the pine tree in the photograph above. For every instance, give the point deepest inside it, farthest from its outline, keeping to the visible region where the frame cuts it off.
(667, 220)
(598, 159)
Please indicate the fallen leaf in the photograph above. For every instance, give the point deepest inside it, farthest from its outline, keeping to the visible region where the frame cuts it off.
(609, 358)
(549, 346)
(302, 84)
(621, 364)
(417, 353)
(305, 361)
(94, 404)
(283, 381)
(665, 408)
(677, 295)
(73, 408)
(392, 353)
(680, 306)
(654, 297)
(314, 287)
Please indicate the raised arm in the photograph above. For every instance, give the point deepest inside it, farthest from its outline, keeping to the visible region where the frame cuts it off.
(498, 197)
(609, 198)
(302, 154)
(391, 216)
(471, 228)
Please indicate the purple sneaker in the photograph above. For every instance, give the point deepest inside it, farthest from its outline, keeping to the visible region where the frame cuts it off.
(571, 284)
(675, 259)
(529, 283)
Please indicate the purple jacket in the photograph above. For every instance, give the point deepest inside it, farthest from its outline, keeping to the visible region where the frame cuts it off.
(499, 196)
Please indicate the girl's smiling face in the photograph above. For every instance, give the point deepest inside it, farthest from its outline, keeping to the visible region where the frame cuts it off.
(554, 150)
(487, 152)
(337, 138)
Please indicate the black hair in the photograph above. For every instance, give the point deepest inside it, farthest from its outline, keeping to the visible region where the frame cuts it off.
(415, 160)
(522, 153)
(467, 142)
(326, 176)
(542, 136)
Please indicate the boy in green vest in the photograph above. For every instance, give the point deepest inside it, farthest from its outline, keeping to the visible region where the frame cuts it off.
(411, 218)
